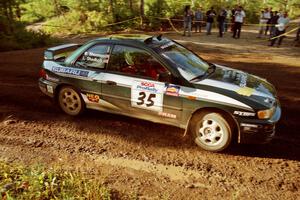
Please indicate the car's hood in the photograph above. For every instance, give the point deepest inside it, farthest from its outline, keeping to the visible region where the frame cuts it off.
(243, 84)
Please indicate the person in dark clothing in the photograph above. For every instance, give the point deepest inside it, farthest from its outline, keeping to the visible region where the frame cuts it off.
(282, 25)
(232, 18)
(210, 14)
(239, 16)
(221, 19)
(273, 22)
(187, 20)
(268, 27)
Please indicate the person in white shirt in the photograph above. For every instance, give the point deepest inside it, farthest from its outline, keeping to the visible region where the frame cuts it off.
(282, 25)
(239, 16)
(265, 16)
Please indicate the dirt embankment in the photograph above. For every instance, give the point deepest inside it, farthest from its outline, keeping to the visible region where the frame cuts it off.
(151, 161)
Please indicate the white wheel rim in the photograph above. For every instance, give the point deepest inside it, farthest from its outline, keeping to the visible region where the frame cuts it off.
(211, 132)
(70, 101)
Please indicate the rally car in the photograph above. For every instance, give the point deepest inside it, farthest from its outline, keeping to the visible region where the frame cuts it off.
(157, 79)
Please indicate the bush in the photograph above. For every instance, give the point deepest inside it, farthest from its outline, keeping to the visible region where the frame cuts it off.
(19, 182)
(21, 38)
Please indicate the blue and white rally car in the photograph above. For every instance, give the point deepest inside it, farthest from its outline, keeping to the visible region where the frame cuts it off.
(157, 79)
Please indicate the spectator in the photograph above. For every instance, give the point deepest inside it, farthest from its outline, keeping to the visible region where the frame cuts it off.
(221, 19)
(227, 20)
(268, 22)
(232, 17)
(273, 22)
(198, 18)
(239, 16)
(264, 18)
(210, 14)
(187, 20)
(282, 25)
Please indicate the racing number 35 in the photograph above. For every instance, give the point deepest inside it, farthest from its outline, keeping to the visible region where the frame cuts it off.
(149, 101)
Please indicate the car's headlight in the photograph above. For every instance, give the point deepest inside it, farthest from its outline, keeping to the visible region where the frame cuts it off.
(266, 114)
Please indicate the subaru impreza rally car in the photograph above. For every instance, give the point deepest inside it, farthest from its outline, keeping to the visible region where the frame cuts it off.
(157, 79)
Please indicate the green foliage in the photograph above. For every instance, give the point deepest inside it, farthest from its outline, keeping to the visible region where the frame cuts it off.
(19, 182)
(34, 11)
(24, 39)
(156, 8)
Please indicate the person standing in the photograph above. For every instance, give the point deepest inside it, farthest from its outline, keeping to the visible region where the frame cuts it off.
(265, 16)
(198, 18)
(269, 21)
(273, 22)
(232, 18)
(282, 25)
(221, 19)
(210, 14)
(239, 16)
(227, 19)
(187, 20)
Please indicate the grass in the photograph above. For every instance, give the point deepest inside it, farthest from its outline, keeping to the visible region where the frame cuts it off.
(36, 182)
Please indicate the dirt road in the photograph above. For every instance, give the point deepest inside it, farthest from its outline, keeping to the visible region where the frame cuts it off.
(141, 159)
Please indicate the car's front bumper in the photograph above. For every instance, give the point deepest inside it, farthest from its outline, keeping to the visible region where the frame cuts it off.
(254, 131)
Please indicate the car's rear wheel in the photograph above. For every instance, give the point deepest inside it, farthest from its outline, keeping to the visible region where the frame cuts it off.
(70, 101)
(211, 131)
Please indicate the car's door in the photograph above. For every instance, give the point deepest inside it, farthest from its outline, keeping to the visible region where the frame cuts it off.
(131, 86)
(93, 60)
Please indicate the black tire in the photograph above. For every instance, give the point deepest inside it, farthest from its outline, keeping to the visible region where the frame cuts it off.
(211, 131)
(70, 101)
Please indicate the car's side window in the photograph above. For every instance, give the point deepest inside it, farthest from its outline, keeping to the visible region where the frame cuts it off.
(96, 57)
(134, 61)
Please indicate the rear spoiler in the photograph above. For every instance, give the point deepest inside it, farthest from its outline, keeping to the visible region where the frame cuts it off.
(50, 53)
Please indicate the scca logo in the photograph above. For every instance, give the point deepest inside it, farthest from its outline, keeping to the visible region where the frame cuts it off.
(146, 84)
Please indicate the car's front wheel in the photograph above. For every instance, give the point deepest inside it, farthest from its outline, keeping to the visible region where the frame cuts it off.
(70, 101)
(211, 131)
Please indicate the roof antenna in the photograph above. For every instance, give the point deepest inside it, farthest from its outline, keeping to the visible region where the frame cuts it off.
(159, 37)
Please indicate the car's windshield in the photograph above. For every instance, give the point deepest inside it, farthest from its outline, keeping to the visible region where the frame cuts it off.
(189, 65)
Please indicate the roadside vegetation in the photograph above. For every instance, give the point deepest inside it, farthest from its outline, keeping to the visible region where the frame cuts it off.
(37, 182)
(63, 17)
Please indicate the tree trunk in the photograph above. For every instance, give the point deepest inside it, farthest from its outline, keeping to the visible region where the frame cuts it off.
(130, 6)
(142, 12)
(111, 9)
(142, 8)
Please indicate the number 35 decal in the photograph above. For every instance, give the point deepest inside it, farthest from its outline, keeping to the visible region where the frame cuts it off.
(147, 95)
(149, 101)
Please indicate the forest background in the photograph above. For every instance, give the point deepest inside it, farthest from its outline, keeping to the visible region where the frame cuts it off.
(65, 17)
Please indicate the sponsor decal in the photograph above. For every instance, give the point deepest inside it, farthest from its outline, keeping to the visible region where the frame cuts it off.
(241, 78)
(245, 91)
(169, 115)
(172, 90)
(147, 95)
(98, 58)
(147, 86)
(71, 71)
(244, 114)
(49, 89)
(93, 97)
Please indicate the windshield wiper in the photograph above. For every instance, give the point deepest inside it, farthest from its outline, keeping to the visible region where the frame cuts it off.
(211, 69)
